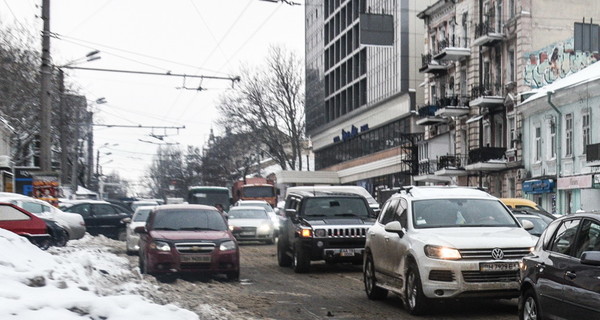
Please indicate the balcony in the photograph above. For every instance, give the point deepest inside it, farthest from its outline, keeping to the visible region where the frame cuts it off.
(486, 95)
(453, 106)
(451, 165)
(487, 159)
(427, 116)
(427, 169)
(453, 49)
(487, 34)
(428, 65)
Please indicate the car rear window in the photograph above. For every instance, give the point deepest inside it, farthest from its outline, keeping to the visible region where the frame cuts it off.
(449, 213)
(141, 215)
(189, 219)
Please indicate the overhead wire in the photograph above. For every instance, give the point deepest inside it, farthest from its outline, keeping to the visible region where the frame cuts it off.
(88, 18)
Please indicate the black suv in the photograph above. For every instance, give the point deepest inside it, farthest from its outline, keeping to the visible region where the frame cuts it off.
(321, 225)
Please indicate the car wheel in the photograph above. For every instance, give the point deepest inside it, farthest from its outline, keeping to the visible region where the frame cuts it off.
(61, 239)
(529, 307)
(233, 276)
(373, 291)
(282, 258)
(415, 300)
(301, 261)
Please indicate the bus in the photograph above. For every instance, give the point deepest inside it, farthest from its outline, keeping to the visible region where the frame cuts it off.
(209, 195)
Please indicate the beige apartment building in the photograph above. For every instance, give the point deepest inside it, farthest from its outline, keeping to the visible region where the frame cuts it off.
(481, 58)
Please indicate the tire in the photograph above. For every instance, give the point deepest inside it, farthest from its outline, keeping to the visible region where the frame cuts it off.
(282, 258)
(529, 308)
(373, 291)
(414, 300)
(301, 260)
(233, 276)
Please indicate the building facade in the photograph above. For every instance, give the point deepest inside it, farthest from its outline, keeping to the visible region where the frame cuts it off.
(360, 92)
(481, 58)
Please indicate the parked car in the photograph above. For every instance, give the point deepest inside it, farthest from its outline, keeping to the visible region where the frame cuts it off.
(539, 224)
(101, 217)
(444, 243)
(251, 223)
(263, 204)
(147, 202)
(25, 224)
(528, 206)
(188, 238)
(323, 225)
(559, 280)
(71, 223)
(138, 219)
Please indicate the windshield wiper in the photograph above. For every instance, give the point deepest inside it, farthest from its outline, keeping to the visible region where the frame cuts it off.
(348, 215)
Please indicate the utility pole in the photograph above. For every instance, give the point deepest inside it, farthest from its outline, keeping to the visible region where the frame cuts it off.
(45, 153)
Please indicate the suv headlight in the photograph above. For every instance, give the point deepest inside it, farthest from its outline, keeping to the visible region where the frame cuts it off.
(160, 246)
(227, 246)
(445, 253)
(306, 233)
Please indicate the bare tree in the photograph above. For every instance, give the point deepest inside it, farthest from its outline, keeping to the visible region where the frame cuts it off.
(269, 106)
(172, 172)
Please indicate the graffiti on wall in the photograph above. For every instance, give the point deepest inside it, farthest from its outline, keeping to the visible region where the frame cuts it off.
(555, 62)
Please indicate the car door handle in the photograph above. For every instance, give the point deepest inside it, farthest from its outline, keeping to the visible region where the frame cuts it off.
(571, 275)
(386, 238)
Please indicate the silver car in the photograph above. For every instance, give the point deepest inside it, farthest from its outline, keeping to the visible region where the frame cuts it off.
(251, 223)
(138, 219)
(72, 223)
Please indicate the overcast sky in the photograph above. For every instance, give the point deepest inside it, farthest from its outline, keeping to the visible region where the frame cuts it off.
(195, 37)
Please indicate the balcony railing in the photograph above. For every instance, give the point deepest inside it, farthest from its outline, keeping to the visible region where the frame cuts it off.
(485, 154)
(456, 161)
(428, 111)
(452, 42)
(427, 167)
(453, 101)
(426, 59)
(486, 90)
(485, 28)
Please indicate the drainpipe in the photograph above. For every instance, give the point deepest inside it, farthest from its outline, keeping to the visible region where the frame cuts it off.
(558, 148)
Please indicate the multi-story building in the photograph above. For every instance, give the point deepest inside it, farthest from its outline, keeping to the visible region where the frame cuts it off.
(359, 96)
(560, 149)
(481, 57)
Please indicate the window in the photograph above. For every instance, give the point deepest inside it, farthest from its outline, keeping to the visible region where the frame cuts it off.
(510, 68)
(511, 9)
(565, 237)
(586, 130)
(104, 210)
(589, 238)
(569, 135)
(83, 210)
(389, 211)
(538, 144)
(8, 213)
(512, 132)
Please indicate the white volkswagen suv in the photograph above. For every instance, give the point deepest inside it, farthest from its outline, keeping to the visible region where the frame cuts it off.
(444, 242)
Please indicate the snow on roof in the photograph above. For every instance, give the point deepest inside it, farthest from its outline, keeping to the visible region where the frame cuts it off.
(588, 74)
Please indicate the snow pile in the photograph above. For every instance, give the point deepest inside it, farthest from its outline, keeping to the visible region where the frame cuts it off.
(75, 284)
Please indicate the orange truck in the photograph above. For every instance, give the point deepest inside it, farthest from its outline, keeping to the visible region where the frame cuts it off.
(255, 189)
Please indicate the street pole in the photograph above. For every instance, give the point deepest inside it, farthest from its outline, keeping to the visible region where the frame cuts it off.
(45, 133)
(76, 157)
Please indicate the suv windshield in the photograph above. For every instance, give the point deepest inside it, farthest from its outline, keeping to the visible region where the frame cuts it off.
(449, 213)
(335, 207)
(182, 219)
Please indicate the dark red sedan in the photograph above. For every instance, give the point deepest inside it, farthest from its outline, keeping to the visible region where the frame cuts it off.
(25, 224)
(186, 238)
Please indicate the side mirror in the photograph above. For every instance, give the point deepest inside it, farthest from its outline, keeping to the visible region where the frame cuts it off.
(527, 225)
(290, 213)
(395, 227)
(591, 258)
(126, 220)
(140, 229)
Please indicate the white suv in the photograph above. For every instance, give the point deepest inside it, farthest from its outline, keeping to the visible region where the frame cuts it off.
(444, 242)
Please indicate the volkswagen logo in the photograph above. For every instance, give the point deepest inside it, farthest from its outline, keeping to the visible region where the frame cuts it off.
(497, 254)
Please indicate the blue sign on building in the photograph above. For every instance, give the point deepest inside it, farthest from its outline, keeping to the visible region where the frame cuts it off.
(539, 186)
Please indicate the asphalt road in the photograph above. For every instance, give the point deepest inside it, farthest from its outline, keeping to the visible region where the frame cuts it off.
(333, 292)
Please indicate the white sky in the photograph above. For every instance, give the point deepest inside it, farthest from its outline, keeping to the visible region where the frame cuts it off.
(201, 37)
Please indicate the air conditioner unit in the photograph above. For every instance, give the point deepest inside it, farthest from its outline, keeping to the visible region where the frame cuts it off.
(522, 174)
(5, 162)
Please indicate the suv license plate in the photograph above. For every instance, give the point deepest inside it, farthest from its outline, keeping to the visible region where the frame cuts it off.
(196, 258)
(498, 266)
(347, 253)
